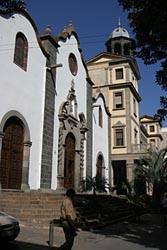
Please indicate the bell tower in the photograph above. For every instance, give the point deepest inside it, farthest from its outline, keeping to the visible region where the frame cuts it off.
(119, 42)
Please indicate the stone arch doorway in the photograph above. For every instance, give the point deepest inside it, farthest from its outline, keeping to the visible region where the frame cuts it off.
(69, 161)
(99, 171)
(12, 154)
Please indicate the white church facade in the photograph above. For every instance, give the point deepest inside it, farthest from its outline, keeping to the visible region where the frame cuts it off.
(61, 119)
(48, 117)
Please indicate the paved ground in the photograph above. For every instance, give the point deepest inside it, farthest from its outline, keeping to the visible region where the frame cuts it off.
(148, 233)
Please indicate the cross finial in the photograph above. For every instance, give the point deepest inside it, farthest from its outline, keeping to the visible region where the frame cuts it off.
(119, 22)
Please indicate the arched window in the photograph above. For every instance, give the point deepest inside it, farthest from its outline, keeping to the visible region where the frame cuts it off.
(117, 48)
(127, 49)
(21, 51)
(100, 117)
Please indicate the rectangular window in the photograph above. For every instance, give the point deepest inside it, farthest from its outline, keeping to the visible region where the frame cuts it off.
(135, 136)
(119, 74)
(118, 100)
(134, 107)
(152, 141)
(100, 117)
(119, 137)
(152, 128)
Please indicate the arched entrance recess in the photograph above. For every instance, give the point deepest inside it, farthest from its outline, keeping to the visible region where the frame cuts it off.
(69, 162)
(12, 154)
(99, 172)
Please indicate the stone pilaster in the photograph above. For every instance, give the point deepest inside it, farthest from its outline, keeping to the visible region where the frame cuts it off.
(25, 170)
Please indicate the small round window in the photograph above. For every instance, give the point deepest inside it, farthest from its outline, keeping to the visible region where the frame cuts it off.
(73, 64)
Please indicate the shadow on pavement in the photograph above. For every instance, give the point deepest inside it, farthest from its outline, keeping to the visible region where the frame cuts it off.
(18, 245)
(148, 231)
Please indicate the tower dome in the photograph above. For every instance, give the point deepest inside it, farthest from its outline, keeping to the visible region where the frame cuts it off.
(119, 42)
(119, 31)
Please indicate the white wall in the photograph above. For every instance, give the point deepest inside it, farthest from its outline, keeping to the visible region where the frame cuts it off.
(100, 138)
(21, 90)
(63, 85)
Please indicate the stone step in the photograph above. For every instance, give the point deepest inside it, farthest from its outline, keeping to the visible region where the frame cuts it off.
(101, 212)
(31, 207)
(41, 208)
(112, 221)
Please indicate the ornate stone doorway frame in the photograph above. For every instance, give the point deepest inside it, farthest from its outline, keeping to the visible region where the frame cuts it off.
(75, 125)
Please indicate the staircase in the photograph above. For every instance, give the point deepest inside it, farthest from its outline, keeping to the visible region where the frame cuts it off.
(31, 207)
(102, 210)
(36, 208)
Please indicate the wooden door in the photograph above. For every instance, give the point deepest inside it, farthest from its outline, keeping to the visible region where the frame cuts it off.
(99, 172)
(69, 168)
(12, 154)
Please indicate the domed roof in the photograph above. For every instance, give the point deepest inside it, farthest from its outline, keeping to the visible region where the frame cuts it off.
(119, 31)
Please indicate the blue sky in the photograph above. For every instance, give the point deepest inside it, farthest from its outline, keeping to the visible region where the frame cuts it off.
(93, 22)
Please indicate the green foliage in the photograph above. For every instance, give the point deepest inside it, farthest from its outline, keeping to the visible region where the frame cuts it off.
(151, 169)
(5, 3)
(153, 166)
(139, 185)
(148, 20)
(10, 3)
(97, 184)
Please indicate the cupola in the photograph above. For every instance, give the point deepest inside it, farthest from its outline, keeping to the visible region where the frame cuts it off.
(119, 41)
(119, 32)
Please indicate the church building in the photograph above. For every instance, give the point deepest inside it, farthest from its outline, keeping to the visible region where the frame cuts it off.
(53, 132)
(62, 119)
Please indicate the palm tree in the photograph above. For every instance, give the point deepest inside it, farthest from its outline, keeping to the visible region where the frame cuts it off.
(96, 183)
(152, 167)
